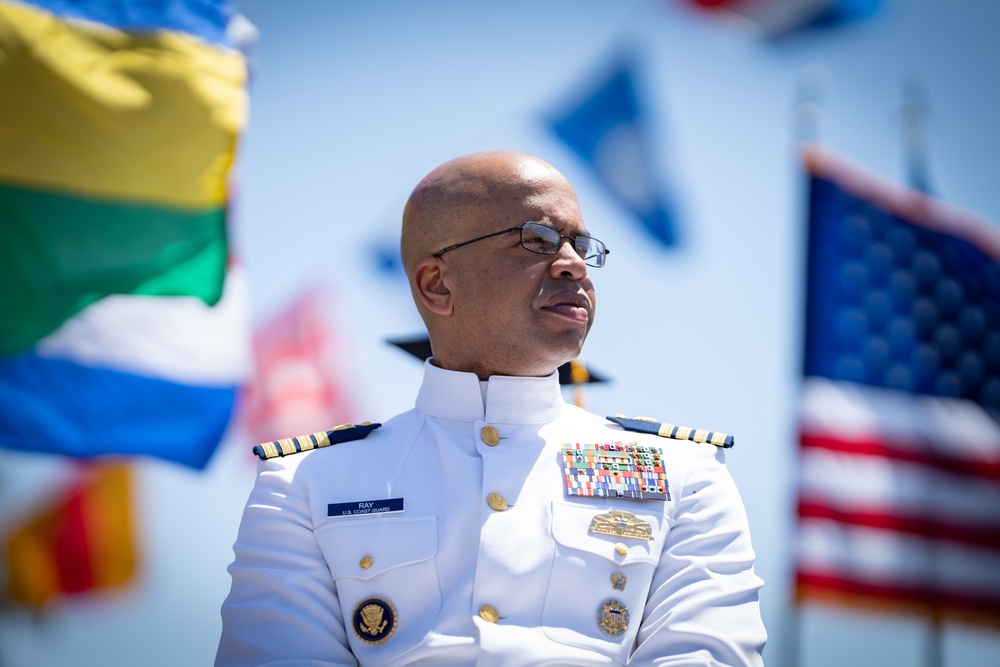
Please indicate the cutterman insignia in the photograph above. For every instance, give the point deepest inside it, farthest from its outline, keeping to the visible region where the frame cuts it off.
(612, 618)
(304, 443)
(374, 620)
(620, 523)
(647, 425)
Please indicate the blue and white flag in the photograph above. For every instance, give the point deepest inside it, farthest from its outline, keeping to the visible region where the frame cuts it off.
(606, 127)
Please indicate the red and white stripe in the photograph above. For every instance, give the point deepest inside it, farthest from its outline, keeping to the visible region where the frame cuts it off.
(898, 500)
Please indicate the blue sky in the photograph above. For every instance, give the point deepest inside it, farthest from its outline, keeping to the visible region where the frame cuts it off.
(353, 102)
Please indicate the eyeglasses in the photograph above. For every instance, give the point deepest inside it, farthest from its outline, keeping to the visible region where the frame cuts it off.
(545, 240)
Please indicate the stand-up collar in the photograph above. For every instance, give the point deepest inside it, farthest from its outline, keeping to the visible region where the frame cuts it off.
(512, 400)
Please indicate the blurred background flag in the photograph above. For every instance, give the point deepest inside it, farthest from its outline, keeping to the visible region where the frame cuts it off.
(899, 476)
(121, 330)
(606, 127)
(300, 382)
(780, 18)
(79, 541)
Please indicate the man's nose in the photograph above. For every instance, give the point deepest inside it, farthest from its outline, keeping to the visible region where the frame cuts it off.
(568, 263)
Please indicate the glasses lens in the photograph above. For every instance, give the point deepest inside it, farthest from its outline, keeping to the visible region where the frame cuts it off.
(591, 250)
(539, 238)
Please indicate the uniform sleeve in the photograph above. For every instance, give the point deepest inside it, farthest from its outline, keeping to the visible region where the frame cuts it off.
(282, 608)
(703, 607)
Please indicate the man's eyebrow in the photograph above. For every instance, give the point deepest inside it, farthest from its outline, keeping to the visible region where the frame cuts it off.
(585, 231)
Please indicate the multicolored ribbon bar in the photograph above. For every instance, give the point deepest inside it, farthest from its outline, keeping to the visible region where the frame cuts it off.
(615, 470)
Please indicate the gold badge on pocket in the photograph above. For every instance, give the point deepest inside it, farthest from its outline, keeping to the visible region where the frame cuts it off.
(612, 618)
(619, 523)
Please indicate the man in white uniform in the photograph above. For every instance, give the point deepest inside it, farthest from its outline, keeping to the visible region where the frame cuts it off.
(494, 524)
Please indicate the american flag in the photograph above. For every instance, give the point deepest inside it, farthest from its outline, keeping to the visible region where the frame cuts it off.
(899, 471)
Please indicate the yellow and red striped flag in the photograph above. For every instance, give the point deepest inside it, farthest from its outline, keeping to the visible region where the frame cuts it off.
(82, 541)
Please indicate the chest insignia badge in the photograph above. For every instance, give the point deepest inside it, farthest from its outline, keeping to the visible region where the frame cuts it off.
(374, 620)
(615, 470)
(619, 523)
(618, 580)
(612, 618)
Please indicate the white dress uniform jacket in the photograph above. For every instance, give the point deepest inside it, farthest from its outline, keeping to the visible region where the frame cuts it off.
(490, 562)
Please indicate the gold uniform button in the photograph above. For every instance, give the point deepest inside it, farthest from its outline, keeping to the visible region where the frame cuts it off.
(366, 562)
(491, 436)
(497, 502)
(489, 614)
(621, 548)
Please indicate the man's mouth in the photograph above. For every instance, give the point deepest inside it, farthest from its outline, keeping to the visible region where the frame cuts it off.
(573, 306)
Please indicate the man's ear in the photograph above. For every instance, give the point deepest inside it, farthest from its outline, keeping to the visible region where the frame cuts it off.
(429, 278)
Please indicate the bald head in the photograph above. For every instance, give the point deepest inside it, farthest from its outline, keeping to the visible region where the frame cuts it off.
(452, 201)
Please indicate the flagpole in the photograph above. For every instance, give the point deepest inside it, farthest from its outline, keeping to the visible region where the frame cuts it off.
(807, 117)
(935, 654)
(914, 113)
(580, 377)
(807, 121)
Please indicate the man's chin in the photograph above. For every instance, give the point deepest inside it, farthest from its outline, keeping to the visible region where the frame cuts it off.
(569, 348)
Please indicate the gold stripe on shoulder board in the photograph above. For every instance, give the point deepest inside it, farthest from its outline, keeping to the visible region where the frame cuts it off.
(655, 427)
(305, 443)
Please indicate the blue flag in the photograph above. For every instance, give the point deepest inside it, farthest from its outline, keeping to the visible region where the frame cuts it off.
(207, 19)
(606, 128)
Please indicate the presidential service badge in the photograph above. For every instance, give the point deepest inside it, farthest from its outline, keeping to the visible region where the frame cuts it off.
(374, 620)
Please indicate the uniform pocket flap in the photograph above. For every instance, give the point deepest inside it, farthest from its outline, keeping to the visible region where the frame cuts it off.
(571, 528)
(363, 548)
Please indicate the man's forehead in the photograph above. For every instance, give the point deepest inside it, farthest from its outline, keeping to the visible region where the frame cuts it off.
(557, 200)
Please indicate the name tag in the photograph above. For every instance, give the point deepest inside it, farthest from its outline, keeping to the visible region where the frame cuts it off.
(360, 507)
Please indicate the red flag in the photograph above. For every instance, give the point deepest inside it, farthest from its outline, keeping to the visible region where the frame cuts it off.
(299, 369)
(779, 18)
(899, 475)
(81, 542)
